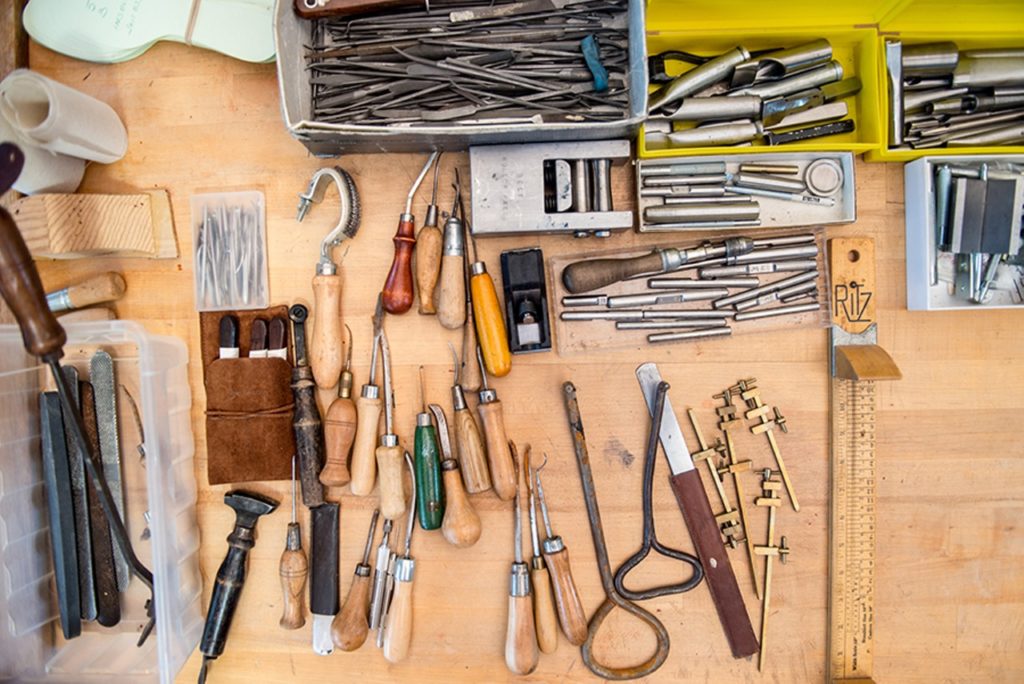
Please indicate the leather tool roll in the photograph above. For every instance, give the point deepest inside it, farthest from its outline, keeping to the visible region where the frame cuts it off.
(249, 405)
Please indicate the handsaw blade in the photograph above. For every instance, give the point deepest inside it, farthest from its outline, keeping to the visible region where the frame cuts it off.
(101, 375)
(671, 434)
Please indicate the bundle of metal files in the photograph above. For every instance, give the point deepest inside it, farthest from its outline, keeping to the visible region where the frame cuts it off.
(707, 195)
(738, 279)
(229, 259)
(942, 97)
(464, 63)
(979, 209)
(777, 96)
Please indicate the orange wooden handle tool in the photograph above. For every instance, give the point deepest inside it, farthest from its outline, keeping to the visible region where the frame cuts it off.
(398, 294)
(490, 323)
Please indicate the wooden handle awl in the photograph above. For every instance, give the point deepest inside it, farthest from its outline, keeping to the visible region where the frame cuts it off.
(398, 629)
(472, 456)
(351, 625)
(567, 599)
(397, 293)
(521, 654)
(499, 457)
(339, 433)
(584, 276)
(293, 570)
(325, 348)
(364, 465)
(461, 525)
(544, 609)
(392, 494)
(451, 302)
(428, 262)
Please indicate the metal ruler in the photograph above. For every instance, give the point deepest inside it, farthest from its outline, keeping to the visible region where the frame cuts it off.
(856, 362)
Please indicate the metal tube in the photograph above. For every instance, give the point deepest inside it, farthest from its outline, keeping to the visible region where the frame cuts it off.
(814, 115)
(679, 213)
(919, 98)
(602, 186)
(778, 311)
(720, 273)
(781, 63)
(585, 300)
(722, 331)
(665, 297)
(770, 287)
(998, 100)
(766, 182)
(788, 196)
(717, 134)
(930, 59)
(952, 105)
(777, 295)
(668, 324)
(1005, 135)
(671, 283)
(897, 104)
(717, 108)
(649, 168)
(696, 179)
(580, 186)
(698, 78)
(782, 169)
(728, 199)
(688, 225)
(812, 78)
(642, 314)
(985, 72)
(684, 190)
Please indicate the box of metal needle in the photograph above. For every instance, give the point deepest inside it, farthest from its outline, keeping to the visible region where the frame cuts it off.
(76, 616)
(445, 76)
(230, 241)
(964, 219)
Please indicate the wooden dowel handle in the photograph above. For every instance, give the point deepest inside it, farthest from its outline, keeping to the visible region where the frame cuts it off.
(398, 629)
(472, 457)
(293, 570)
(339, 433)
(499, 456)
(397, 291)
(389, 469)
(521, 653)
(105, 287)
(325, 353)
(584, 276)
(570, 610)
(364, 465)
(352, 624)
(461, 525)
(451, 302)
(544, 609)
(428, 262)
(470, 376)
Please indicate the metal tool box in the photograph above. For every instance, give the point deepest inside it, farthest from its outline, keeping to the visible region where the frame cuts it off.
(293, 33)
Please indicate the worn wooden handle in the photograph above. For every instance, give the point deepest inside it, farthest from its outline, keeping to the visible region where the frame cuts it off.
(428, 263)
(397, 293)
(398, 630)
(570, 610)
(471, 453)
(364, 466)
(339, 433)
(470, 376)
(293, 570)
(584, 276)
(490, 326)
(451, 302)
(351, 624)
(325, 346)
(105, 287)
(544, 610)
(461, 525)
(521, 654)
(389, 470)
(499, 456)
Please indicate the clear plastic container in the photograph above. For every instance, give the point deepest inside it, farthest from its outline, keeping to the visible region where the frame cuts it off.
(153, 369)
(230, 240)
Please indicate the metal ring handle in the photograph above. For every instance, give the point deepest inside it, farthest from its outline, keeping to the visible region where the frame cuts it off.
(645, 668)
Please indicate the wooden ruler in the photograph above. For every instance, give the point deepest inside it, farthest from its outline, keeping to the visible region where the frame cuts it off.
(856, 363)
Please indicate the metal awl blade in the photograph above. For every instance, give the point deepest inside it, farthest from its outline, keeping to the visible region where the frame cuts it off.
(671, 435)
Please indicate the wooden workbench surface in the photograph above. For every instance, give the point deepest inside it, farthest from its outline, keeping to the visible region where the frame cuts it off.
(949, 597)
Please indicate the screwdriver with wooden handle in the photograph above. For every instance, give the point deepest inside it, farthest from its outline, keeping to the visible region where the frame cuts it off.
(470, 371)
(389, 451)
(451, 302)
(398, 627)
(543, 602)
(340, 429)
(98, 289)
(398, 293)
(499, 457)
(461, 525)
(591, 274)
(567, 599)
(429, 500)
(472, 456)
(368, 407)
(491, 335)
(351, 624)
(428, 252)
(521, 654)
(293, 570)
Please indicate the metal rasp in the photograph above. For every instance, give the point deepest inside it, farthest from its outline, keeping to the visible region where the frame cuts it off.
(104, 385)
(80, 503)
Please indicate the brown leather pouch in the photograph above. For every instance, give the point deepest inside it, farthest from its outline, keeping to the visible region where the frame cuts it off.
(249, 405)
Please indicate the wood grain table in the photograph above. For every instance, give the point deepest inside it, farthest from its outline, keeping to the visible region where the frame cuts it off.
(950, 595)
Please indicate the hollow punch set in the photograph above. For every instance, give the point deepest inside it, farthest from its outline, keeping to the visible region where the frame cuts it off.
(775, 190)
(942, 96)
(453, 64)
(772, 97)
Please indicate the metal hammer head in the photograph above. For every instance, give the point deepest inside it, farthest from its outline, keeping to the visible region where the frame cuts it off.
(249, 507)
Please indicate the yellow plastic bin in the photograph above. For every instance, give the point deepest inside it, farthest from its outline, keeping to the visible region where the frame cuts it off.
(709, 27)
(971, 25)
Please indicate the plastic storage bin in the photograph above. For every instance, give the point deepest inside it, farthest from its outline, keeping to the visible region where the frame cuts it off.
(154, 370)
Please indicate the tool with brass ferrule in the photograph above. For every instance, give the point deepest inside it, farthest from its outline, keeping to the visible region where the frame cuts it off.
(461, 524)
(727, 422)
(350, 625)
(470, 445)
(428, 252)
(363, 467)
(857, 362)
(499, 456)
(389, 451)
(398, 627)
(571, 615)
(700, 521)
(397, 291)
(429, 500)
(521, 654)
(309, 431)
(769, 418)
(293, 569)
(729, 519)
(769, 499)
(340, 427)
(544, 617)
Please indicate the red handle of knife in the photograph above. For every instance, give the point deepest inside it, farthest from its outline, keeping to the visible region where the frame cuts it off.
(721, 580)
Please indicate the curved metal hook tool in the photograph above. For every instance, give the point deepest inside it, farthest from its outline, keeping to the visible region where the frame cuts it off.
(612, 597)
(348, 220)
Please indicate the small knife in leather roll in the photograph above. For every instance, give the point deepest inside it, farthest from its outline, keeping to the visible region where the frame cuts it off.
(228, 337)
(258, 339)
(700, 521)
(278, 348)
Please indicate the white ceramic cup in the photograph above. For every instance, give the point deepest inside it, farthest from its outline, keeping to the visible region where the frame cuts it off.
(62, 119)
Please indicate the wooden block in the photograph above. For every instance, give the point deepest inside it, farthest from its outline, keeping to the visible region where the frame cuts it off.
(68, 226)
